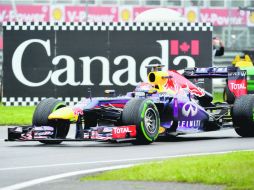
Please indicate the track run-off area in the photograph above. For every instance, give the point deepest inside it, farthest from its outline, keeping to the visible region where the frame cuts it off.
(26, 164)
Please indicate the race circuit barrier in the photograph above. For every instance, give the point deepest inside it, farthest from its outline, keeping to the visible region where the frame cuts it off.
(65, 60)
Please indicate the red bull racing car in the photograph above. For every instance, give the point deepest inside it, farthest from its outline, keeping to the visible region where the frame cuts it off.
(168, 104)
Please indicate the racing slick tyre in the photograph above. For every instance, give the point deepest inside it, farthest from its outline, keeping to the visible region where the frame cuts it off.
(40, 118)
(228, 96)
(144, 114)
(242, 115)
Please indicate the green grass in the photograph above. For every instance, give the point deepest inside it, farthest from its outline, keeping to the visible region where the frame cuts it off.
(217, 97)
(16, 115)
(235, 170)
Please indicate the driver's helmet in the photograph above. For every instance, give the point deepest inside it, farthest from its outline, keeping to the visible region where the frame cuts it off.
(143, 87)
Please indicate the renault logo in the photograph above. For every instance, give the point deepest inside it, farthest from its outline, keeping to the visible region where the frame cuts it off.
(189, 109)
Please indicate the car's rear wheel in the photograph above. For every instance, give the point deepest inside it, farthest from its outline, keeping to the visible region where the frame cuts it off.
(242, 115)
(144, 114)
(40, 118)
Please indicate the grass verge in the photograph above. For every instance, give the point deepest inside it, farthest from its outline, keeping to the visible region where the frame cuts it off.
(217, 97)
(16, 115)
(235, 170)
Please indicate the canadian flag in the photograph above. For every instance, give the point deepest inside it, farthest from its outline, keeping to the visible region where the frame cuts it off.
(184, 47)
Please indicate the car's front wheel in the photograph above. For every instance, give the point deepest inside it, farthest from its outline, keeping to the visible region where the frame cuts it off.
(144, 114)
(40, 118)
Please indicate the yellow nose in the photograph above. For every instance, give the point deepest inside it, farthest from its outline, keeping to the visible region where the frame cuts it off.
(64, 113)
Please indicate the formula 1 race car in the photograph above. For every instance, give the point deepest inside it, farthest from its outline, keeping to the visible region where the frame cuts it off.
(168, 104)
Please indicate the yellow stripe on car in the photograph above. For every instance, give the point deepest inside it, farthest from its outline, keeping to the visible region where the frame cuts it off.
(162, 130)
(64, 113)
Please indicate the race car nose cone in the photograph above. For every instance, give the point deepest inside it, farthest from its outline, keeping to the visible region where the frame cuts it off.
(64, 113)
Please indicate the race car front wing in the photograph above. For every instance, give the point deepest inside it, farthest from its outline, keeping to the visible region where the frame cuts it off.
(100, 133)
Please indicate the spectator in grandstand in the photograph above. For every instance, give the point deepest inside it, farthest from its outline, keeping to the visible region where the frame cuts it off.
(218, 47)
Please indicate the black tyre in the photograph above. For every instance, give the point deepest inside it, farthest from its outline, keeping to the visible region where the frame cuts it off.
(144, 114)
(242, 115)
(40, 118)
(228, 96)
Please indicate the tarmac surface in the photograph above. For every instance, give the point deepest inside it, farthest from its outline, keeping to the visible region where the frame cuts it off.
(71, 183)
(31, 165)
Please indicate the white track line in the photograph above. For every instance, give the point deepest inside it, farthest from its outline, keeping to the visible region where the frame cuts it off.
(114, 161)
(90, 171)
(59, 176)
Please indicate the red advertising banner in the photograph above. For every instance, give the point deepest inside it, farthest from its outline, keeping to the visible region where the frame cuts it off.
(223, 17)
(5, 12)
(69, 13)
(91, 14)
(24, 13)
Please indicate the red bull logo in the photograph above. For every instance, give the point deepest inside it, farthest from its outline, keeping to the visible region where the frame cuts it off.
(178, 82)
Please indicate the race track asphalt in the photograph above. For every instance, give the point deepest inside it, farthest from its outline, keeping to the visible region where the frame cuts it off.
(25, 161)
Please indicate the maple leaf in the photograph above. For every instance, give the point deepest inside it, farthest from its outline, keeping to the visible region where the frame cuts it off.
(184, 47)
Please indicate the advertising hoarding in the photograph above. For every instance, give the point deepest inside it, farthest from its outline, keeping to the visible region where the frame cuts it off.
(65, 59)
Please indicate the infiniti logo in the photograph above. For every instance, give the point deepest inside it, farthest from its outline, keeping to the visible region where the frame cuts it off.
(189, 109)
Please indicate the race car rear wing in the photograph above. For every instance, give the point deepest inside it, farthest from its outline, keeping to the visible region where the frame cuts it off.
(209, 72)
(236, 78)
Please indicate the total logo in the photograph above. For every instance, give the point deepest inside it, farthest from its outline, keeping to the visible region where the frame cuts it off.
(237, 86)
(121, 130)
(189, 109)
